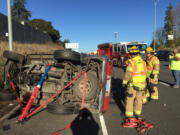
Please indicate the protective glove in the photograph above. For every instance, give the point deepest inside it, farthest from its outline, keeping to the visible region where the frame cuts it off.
(152, 76)
(124, 85)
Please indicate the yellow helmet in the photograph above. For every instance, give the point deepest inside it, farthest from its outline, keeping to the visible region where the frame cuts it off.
(149, 50)
(134, 49)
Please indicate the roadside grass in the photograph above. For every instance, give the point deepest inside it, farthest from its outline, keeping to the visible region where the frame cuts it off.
(24, 49)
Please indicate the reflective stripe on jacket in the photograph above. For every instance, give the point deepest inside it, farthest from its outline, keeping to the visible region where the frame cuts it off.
(137, 67)
(152, 65)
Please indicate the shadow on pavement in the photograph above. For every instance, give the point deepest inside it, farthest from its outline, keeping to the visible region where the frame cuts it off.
(118, 93)
(84, 124)
(171, 84)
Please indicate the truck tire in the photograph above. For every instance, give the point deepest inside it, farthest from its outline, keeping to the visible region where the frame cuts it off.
(91, 86)
(69, 55)
(12, 68)
(14, 56)
(7, 96)
(58, 109)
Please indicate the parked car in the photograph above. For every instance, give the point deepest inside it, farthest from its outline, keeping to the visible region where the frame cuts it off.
(163, 54)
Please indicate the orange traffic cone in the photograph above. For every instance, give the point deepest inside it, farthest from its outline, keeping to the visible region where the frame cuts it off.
(169, 67)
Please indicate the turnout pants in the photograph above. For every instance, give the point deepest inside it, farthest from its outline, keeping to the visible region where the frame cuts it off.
(133, 102)
(152, 91)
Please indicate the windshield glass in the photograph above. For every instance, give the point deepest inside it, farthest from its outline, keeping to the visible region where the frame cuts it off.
(142, 47)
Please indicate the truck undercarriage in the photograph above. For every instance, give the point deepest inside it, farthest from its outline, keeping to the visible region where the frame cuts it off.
(26, 71)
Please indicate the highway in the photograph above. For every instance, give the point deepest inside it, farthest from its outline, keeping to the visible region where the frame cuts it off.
(164, 114)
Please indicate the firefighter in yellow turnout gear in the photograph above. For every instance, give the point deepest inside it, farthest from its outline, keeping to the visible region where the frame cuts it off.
(135, 82)
(153, 66)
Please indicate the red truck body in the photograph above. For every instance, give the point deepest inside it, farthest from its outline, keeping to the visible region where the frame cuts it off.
(106, 50)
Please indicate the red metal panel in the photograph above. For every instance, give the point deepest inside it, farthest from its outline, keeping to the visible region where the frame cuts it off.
(107, 92)
(106, 103)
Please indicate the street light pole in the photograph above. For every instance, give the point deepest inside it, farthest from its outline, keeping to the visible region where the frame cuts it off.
(9, 25)
(155, 5)
(115, 36)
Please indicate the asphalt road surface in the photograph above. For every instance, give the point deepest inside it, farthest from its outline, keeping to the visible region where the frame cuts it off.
(164, 114)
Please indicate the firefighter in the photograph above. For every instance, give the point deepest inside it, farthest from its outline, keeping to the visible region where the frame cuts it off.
(153, 66)
(135, 83)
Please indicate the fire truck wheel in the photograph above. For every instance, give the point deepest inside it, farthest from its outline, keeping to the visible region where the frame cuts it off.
(58, 109)
(14, 56)
(69, 55)
(91, 86)
(7, 96)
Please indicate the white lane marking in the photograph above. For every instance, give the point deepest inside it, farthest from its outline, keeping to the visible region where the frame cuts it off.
(103, 125)
(164, 83)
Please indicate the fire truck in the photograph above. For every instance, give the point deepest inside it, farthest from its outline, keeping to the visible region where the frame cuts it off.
(111, 51)
(118, 53)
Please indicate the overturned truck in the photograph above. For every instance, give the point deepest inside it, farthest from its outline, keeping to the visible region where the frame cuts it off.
(25, 71)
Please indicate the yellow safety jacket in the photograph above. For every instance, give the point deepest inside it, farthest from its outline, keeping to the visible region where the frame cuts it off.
(153, 65)
(175, 64)
(137, 68)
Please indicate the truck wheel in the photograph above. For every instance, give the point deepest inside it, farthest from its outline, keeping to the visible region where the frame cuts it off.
(11, 67)
(7, 96)
(91, 87)
(61, 55)
(58, 109)
(14, 56)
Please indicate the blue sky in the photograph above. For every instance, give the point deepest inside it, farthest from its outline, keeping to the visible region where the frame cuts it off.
(91, 22)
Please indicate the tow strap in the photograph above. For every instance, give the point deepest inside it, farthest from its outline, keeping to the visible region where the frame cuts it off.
(82, 106)
(14, 89)
(140, 124)
(48, 100)
(28, 106)
(37, 88)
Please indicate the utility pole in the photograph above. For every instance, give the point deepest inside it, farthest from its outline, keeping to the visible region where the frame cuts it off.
(9, 25)
(115, 36)
(155, 5)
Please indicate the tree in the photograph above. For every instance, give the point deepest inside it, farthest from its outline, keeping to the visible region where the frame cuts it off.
(66, 41)
(19, 11)
(169, 25)
(160, 39)
(152, 44)
(176, 14)
(46, 27)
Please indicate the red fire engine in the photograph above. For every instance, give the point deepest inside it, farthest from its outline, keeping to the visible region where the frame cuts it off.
(109, 50)
(118, 53)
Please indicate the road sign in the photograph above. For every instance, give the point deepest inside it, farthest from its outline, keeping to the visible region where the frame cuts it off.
(72, 45)
(170, 37)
